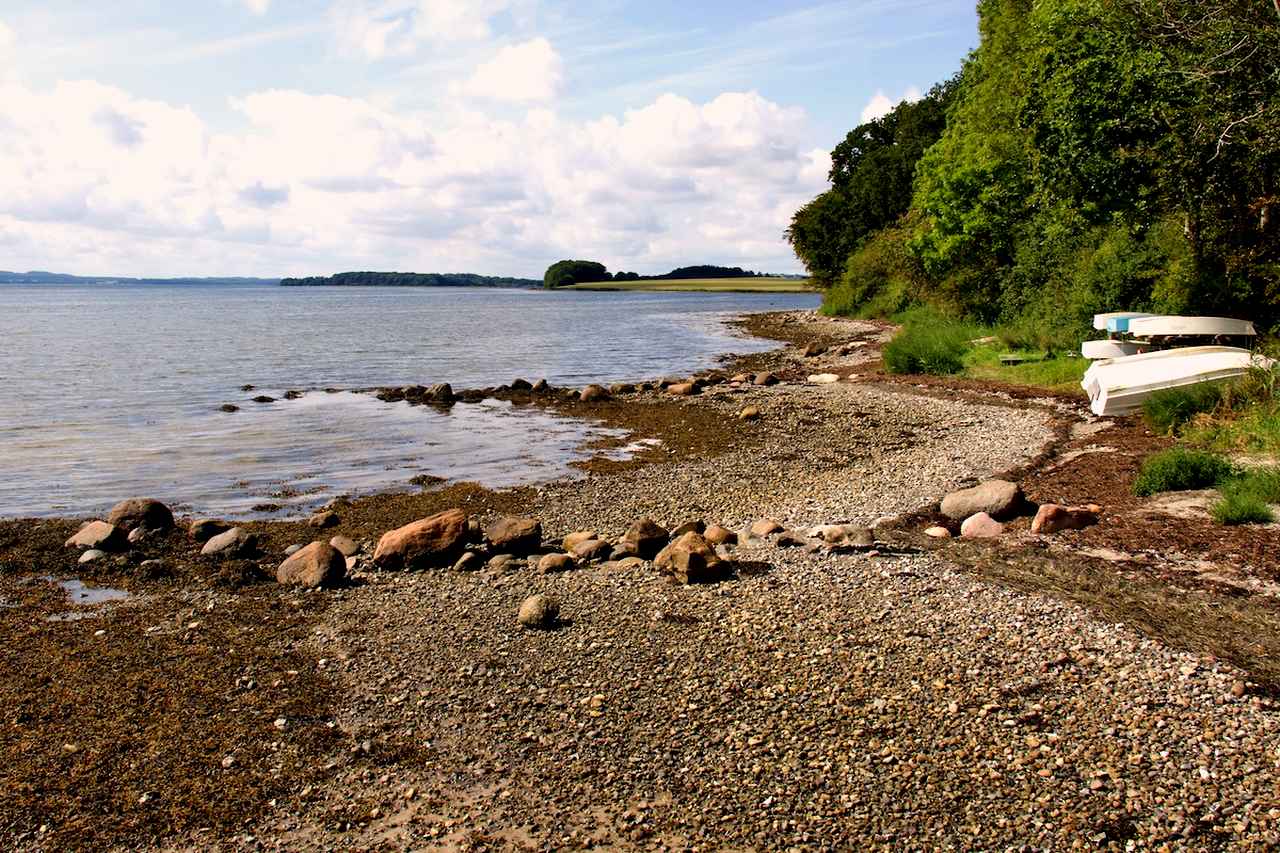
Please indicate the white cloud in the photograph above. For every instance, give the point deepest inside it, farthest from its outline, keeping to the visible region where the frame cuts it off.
(6, 36)
(377, 29)
(95, 180)
(531, 71)
(258, 7)
(881, 104)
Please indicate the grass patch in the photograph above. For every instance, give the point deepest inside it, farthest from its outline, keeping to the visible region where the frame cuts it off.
(1254, 429)
(929, 343)
(704, 285)
(1180, 470)
(1053, 372)
(1168, 410)
(1247, 498)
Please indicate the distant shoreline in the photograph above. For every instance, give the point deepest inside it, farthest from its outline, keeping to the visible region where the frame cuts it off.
(702, 285)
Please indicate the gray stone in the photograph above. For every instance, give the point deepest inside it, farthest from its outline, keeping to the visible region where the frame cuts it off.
(999, 499)
(234, 543)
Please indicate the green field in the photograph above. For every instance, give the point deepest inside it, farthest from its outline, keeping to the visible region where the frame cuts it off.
(724, 285)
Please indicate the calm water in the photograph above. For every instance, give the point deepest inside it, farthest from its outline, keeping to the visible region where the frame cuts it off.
(111, 391)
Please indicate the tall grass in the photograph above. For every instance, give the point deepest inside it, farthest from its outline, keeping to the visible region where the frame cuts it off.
(1247, 498)
(1168, 410)
(1179, 470)
(929, 342)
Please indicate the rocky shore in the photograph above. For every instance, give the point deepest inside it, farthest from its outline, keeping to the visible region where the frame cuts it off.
(765, 630)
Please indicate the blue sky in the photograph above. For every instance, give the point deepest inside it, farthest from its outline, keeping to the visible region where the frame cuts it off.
(276, 137)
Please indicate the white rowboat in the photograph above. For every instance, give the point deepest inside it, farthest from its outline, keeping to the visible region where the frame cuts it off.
(1119, 386)
(1186, 327)
(1104, 322)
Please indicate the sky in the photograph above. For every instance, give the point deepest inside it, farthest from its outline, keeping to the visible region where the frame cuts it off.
(306, 137)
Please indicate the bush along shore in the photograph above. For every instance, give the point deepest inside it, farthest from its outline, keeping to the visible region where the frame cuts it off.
(828, 607)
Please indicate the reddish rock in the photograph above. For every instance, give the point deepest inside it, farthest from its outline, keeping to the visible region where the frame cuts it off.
(593, 394)
(592, 549)
(99, 536)
(683, 389)
(514, 535)
(691, 559)
(766, 527)
(981, 526)
(765, 379)
(718, 535)
(319, 565)
(1053, 518)
(648, 536)
(436, 541)
(938, 533)
(574, 539)
(556, 563)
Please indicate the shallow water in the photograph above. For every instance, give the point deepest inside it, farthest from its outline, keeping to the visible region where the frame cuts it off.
(113, 390)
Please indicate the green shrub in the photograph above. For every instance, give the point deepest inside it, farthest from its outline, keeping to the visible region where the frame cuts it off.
(1169, 409)
(1234, 508)
(929, 343)
(1178, 470)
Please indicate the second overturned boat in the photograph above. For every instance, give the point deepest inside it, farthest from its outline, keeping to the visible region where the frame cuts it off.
(1118, 386)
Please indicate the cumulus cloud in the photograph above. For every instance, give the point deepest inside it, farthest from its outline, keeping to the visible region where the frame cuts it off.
(881, 104)
(93, 179)
(531, 71)
(377, 29)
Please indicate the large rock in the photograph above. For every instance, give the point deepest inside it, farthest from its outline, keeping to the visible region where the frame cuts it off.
(515, 535)
(574, 539)
(594, 394)
(692, 559)
(592, 549)
(999, 499)
(764, 379)
(766, 527)
(437, 541)
(319, 565)
(99, 536)
(233, 543)
(683, 389)
(1052, 518)
(324, 520)
(648, 536)
(981, 526)
(539, 613)
(718, 535)
(141, 512)
(204, 529)
(348, 546)
(556, 563)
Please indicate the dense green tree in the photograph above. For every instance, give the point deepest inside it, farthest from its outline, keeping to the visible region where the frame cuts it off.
(565, 273)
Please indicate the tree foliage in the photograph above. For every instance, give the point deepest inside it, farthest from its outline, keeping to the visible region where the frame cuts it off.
(1097, 155)
(408, 279)
(565, 273)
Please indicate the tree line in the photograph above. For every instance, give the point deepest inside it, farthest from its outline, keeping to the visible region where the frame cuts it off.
(1090, 155)
(565, 273)
(409, 279)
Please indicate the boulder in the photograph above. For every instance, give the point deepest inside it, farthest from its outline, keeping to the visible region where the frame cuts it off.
(648, 536)
(437, 541)
(594, 394)
(92, 556)
(717, 535)
(824, 379)
(624, 550)
(318, 565)
(540, 387)
(292, 549)
(521, 385)
(999, 499)
(556, 563)
(205, 529)
(696, 526)
(441, 393)
(233, 543)
(348, 547)
(574, 539)
(592, 549)
(621, 388)
(981, 526)
(749, 413)
(766, 527)
(1052, 518)
(814, 349)
(692, 559)
(99, 536)
(503, 563)
(539, 613)
(141, 512)
(683, 389)
(515, 535)
(324, 520)
(938, 533)
(764, 379)
(742, 379)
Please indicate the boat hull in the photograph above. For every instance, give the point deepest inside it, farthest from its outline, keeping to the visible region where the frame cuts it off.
(1119, 386)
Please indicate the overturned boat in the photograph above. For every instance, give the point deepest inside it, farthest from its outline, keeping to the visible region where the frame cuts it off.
(1119, 386)
(1134, 333)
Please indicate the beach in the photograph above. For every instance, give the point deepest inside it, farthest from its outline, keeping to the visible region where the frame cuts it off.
(899, 692)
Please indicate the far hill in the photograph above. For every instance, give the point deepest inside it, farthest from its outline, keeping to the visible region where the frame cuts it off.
(45, 277)
(409, 279)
